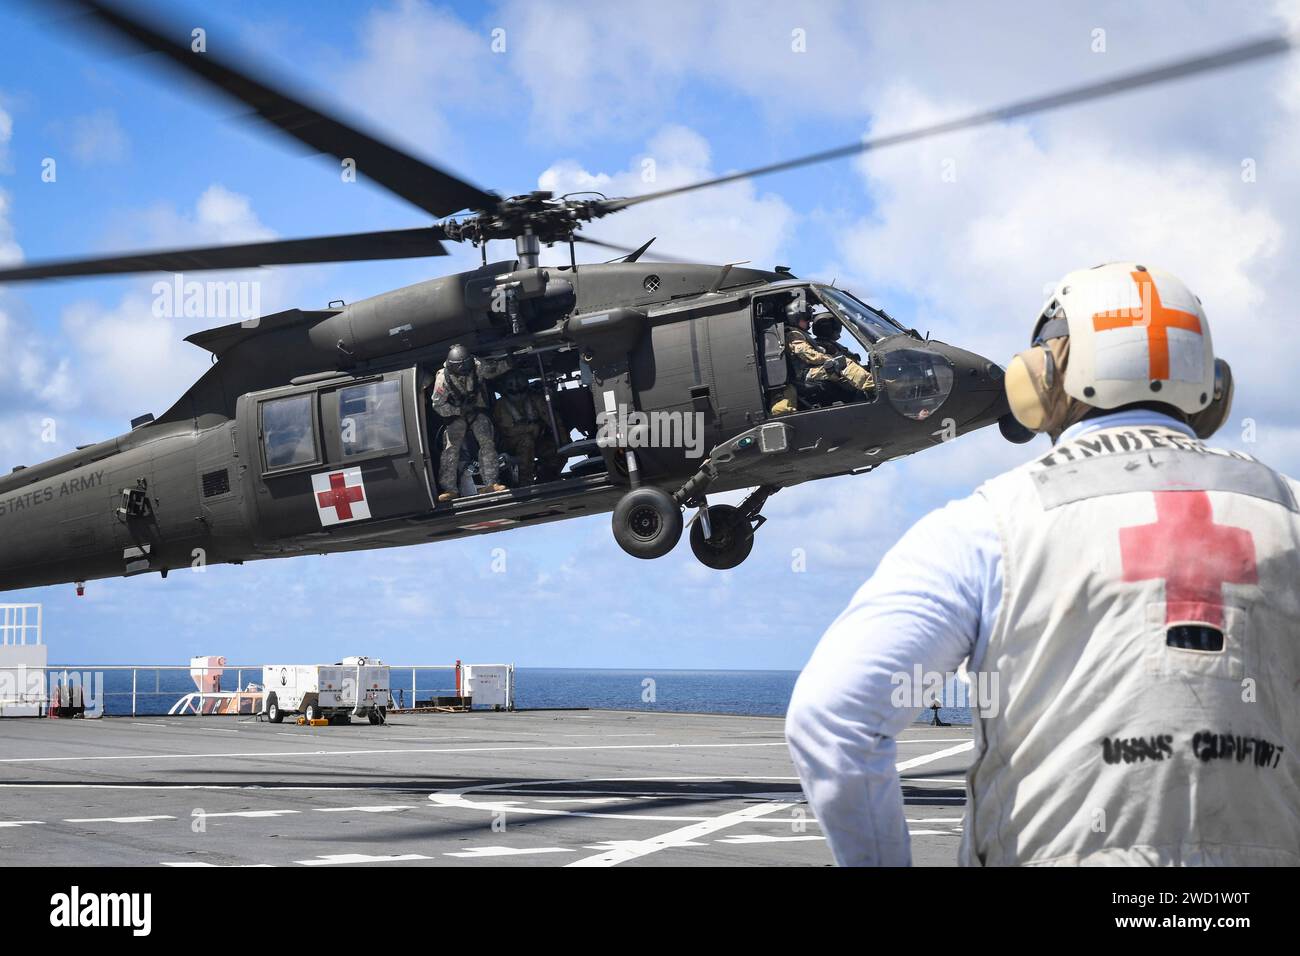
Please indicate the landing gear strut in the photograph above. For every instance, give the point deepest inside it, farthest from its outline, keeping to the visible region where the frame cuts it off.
(722, 535)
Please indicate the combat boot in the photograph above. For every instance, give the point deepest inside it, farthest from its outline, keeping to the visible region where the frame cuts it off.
(447, 496)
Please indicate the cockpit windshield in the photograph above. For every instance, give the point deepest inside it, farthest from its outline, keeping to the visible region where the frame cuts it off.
(868, 322)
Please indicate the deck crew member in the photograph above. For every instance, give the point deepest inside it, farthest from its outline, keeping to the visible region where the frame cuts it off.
(461, 398)
(524, 430)
(1127, 606)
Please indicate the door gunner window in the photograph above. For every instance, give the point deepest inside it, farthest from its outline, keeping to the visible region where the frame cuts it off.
(288, 432)
(370, 418)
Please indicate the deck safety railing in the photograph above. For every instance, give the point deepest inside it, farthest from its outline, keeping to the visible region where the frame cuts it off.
(153, 687)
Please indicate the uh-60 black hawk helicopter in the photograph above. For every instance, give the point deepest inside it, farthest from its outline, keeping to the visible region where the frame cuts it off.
(313, 433)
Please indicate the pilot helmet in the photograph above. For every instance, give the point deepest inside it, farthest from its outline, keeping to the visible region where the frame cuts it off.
(826, 326)
(798, 310)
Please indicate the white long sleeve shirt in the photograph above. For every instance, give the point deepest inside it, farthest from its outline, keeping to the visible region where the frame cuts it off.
(932, 602)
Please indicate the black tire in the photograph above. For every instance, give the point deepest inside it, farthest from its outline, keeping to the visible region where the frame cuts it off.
(311, 712)
(731, 542)
(273, 712)
(647, 523)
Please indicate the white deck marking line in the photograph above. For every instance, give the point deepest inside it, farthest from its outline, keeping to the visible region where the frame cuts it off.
(955, 778)
(744, 838)
(402, 750)
(937, 755)
(251, 814)
(342, 859)
(636, 849)
(930, 833)
(937, 820)
(7, 824)
(218, 730)
(375, 809)
(487, 851)
(149, 819)
(936, 740)
(608, 845)
(194, 863)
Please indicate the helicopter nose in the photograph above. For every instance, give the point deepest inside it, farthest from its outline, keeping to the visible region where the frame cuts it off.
(979, 387)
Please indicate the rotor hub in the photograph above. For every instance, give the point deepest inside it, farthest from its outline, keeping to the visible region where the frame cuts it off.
(536, 214)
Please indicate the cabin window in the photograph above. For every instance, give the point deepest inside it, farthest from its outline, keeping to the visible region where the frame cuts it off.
(288, 432)
(370, 418)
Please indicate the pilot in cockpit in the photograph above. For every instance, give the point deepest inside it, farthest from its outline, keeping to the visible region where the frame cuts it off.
(843, 377)
(822, 370)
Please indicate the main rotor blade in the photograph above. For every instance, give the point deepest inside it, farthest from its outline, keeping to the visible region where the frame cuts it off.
(1191, 66)
(433, 190)
(628, 250)
(391, 244)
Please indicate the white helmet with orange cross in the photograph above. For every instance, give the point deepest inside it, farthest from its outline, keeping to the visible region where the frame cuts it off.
(1116, 335)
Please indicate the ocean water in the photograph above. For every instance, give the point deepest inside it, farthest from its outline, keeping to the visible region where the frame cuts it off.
(751, 693)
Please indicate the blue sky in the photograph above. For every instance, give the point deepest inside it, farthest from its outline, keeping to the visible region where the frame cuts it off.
(580, 96)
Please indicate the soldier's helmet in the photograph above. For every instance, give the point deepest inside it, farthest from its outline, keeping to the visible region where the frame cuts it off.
(459, 361)
(798, 310)
(826, 326)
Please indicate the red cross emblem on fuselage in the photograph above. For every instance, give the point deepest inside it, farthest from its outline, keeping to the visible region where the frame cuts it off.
(1157, 319)
(340, 496)
(1195, 556)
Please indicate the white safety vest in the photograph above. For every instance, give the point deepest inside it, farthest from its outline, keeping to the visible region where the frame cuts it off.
(1146, 660)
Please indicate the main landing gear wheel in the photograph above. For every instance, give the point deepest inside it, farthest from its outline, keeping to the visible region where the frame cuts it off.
(647, 523)
(730, 543)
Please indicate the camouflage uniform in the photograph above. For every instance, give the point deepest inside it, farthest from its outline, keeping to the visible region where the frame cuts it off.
(463, 401)
(525, 432)
(853, 373)
(809, 359)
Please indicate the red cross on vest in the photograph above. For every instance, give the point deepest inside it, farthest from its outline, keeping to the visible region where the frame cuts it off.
(340, 496)
(1195, 556)
(1157, 319)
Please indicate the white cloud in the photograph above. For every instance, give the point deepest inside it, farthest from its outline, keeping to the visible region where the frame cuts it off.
(9, 250)
(219, 217)
(6, 134)
(114, 343)
(418, 62)
(96, 138)
(726, 223)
